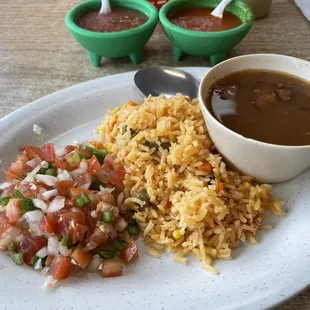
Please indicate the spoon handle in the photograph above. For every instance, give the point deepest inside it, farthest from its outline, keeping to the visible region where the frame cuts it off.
(105, 7)
(219, 10)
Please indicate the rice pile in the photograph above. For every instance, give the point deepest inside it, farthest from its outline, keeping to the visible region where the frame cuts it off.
(197, 204)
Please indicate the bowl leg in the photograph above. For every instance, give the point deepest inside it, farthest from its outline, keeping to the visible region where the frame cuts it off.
(136, 56)
(94, 59)
(176, 53)
(217, 58)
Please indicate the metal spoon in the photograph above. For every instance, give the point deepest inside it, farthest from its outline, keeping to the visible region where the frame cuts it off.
(105, 7)
(165, 80)
(219, 10)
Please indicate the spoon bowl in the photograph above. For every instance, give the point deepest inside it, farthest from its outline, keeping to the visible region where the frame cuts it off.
(165, 80)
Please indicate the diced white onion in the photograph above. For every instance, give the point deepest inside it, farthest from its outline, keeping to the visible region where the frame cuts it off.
(33, 162)
(63, 175)
(93, 214)
(52, 246)
(40, 204)
(44, 164)
(45, 270)
(106, 189)
(84, 164)
(49, 282)
(60, 152)
(30, 176)
(37, 129)
(90, 246)
(85, 185)
(56, 204)
(120, 198)
(5, 185)
(38, 265)
(105, 227)
(8, 236)
(106, 206)
(19, 238)
(113, 234)
(47, 179)
(49, 194)
(42, 252)
(64, 251)
(33, 216)
(120, 224)
(95, 263)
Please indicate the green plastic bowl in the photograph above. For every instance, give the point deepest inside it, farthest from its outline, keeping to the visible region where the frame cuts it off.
(215, 45)
(113, 44)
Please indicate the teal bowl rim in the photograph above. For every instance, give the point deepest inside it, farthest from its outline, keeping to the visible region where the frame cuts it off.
(85, 6)
(175, 4)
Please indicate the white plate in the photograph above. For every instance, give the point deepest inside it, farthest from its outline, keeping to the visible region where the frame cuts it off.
(259, 276)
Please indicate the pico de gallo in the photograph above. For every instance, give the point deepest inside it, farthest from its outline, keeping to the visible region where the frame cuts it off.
(63, 210)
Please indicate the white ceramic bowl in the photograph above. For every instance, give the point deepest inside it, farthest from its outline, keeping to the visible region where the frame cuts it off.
(266, 162)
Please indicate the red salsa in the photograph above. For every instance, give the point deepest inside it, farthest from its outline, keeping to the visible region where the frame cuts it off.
(119, 19)
(200, 19)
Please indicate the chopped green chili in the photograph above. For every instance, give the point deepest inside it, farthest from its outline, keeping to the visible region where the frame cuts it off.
(27, 205)
(17, 193)
(133, 230)
(143, 196)
(108, 216)
(12, 247)
(105, 254)
(82, 200)
(74, 158)
(51, 172)
(18, 258)
(34, 259)
(100, 155)
(4, 201)
(119, 244)
(66, 241)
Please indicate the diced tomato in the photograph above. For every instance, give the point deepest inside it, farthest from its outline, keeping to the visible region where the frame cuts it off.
(48, 188)
(30, 246)
(130, 252)
(64, 186)
(98, 237)
(81, 257)
(10, 176)
(46, 225)
(12, 211)
(106, 197)
(4, 224)
(29, 190)
(111, 268)
(108, 164)
(62, 228)
(117, 176)
(74, 192)
(52, 218)
(90, 221)
(49, 260)
(81, 178)
(22, 157)
(77, 216)
(48, 152)
(9, 191)
(61, 267)
(70, 148)
(94, 165)
(18, 168)
(77, 232)
(69, 203)
(32, 151)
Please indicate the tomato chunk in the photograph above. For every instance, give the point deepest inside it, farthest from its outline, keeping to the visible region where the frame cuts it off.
(29, 190)
(130, 252)
(30, 246)
(32, 151)
(64, 186)
(48, 152)
(77, 232)
(81, 257)
(112, 267)
(10, 176)
(61, 267)
(18, 168)
(49, 260)
(46, 225)
(4, 224)
(74, 192)
(94, 165)
(13, 210)
(98, 237)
